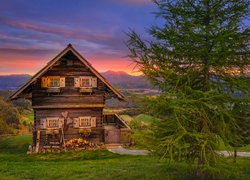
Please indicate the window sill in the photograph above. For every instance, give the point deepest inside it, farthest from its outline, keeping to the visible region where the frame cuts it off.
(54, 90)
(87, 127)
(85, 90)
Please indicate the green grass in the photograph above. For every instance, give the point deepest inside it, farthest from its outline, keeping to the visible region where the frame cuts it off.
(144, 118)
(245, 148)
(127, 118)
(99, 164)
(224, 147)
(29, 118)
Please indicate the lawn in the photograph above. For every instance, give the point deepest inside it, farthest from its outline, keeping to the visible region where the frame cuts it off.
(99, 164)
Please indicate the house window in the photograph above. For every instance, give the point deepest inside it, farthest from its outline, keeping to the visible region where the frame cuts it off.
(85, 122)
(85, 82)
(52, 122)
(54, 82)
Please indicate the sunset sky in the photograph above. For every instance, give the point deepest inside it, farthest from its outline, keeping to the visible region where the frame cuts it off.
(32, 32)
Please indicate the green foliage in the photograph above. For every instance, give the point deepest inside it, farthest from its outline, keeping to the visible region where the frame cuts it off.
(144, 118)
(190, 125)
(198, 58)
(241, 112)
(29, 117)
(9, 117)
(141, 131)
(126, 118)
(16, 164)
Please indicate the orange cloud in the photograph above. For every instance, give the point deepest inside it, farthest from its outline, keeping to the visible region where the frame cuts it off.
(30, 65)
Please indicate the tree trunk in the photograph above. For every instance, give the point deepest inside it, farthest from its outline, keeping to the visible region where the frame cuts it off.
(199, 171)
(235, 155)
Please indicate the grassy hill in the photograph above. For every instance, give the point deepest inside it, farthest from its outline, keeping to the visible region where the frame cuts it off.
(16, 164)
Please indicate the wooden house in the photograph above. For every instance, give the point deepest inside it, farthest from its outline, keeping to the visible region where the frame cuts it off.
(68, 96)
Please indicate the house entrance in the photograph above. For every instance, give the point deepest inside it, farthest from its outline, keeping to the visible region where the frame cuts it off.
(112, 135)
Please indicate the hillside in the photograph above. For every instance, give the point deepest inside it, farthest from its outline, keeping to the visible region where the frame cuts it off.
(116, 78)
(120, 78)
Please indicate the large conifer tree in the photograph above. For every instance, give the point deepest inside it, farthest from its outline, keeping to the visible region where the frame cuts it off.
(199, 59)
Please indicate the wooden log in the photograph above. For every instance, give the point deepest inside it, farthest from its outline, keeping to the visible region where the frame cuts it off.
(37, 141)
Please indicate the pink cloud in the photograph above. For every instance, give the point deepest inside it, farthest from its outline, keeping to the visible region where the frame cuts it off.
(65, 31)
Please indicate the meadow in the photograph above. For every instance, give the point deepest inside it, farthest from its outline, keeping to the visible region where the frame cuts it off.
(101, 164)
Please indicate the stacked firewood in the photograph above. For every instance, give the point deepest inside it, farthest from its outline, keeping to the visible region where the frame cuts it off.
(82, 144)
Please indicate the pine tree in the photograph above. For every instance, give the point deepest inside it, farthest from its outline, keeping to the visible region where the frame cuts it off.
(198, 58)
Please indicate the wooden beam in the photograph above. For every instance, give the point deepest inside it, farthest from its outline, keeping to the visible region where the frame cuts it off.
(37, 140)
(69, 106)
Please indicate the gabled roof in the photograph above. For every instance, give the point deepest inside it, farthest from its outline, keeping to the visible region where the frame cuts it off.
(54, 60)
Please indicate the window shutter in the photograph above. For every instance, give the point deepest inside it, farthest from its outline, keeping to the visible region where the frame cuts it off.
(48, 81)
(94, 82)
(43, 123)
(44, 82)
(61, 122)
(76, 123)
(62, 82)
(93, 121)
(77, 82)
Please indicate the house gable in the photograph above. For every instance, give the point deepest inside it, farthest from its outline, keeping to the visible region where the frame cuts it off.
(68, 63)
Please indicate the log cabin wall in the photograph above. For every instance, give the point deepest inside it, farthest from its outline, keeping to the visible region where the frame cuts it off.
(72, 113)
(69, 130)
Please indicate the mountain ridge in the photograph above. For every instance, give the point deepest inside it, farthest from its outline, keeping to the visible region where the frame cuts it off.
(116, 78)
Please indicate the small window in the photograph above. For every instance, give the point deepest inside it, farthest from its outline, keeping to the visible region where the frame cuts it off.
(52, 122)
(85, 122)
(54, 82)
(85, 82)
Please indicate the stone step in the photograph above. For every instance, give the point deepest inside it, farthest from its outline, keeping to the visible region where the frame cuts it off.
(113, 146)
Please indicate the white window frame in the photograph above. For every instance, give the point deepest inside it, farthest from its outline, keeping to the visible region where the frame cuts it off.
(81, 122)
(52, 79)
(78, 82)
(86, 78)
(56, 119)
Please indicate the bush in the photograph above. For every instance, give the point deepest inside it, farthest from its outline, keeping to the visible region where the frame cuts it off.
(9, 115)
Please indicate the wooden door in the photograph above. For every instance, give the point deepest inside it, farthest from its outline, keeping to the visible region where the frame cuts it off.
(112, 136)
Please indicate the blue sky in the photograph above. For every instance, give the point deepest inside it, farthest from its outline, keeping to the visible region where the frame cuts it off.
(33, 31)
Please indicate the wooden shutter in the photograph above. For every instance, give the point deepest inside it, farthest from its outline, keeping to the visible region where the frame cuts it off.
(94, 82)
(93, 121)
(76, 122)
(61, 122)
(48, 81)
(43, 123)
(62, 81)
(77, 82)
(44, 82)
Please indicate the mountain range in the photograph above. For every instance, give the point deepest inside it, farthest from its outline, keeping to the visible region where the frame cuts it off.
(116, 78)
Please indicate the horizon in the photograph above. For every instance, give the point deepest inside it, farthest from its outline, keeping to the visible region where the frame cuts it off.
(32, 32)
(107, 71)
